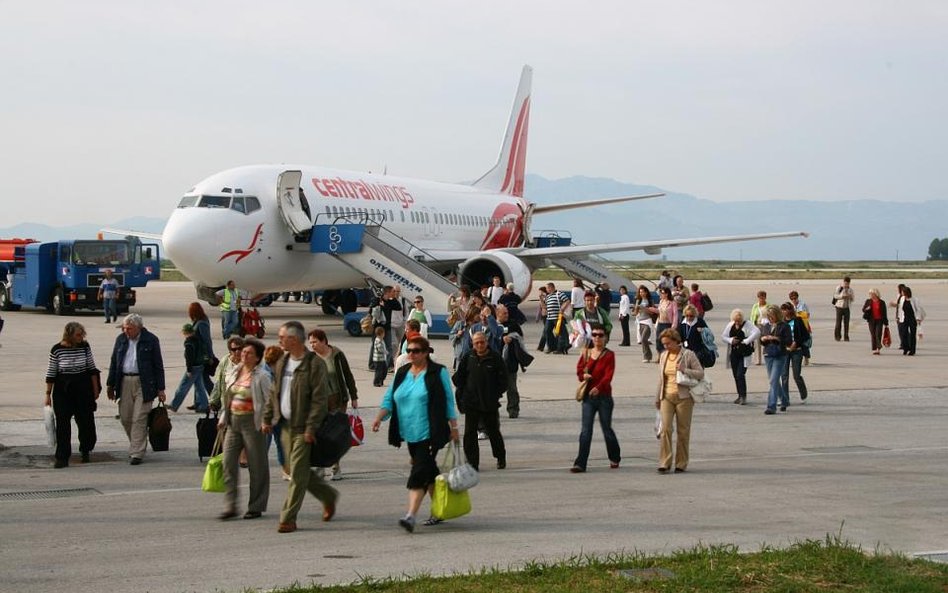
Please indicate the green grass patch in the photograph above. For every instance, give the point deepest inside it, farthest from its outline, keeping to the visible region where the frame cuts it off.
(811, 566)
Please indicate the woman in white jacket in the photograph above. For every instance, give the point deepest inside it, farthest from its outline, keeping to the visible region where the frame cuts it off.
(740, 336)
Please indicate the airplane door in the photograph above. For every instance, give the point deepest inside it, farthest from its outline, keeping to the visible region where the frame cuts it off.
(289, 203)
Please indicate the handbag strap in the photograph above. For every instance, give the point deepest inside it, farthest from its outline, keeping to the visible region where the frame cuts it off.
(218, 441)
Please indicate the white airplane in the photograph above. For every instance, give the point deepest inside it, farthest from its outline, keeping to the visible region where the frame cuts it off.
(252, 224)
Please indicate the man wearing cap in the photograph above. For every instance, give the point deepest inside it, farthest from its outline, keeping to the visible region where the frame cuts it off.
(136, 378)
(194, 356)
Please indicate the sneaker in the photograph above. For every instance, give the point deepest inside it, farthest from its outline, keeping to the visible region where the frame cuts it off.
(481, 435)
(408, 523)
(646, 360)
(335, 475)
(286, 477)
(432, 520)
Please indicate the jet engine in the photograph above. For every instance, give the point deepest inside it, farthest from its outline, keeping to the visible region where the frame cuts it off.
(481, 269)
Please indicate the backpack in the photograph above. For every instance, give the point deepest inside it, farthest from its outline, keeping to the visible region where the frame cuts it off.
(708, 353)
(706, 303)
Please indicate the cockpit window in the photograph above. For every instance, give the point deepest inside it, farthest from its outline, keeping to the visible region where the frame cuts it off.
(214, 202)
(238, 205)
(188, 201)
(252, 204)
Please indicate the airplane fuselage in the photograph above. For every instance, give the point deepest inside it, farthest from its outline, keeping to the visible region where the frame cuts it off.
(229, 226)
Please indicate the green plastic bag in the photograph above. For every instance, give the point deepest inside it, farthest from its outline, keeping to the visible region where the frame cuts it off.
(448, 504)
(214, 475)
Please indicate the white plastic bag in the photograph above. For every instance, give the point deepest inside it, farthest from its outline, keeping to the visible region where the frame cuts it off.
(658, 424)
(461, 476)
(49, 419)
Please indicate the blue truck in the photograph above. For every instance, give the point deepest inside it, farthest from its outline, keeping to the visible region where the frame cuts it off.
(64, 276)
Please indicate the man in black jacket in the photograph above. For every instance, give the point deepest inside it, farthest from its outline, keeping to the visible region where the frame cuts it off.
(797, 350)
(136, 378)
(481, 380)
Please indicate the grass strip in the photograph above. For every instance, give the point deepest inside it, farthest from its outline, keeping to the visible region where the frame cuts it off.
(814, 566)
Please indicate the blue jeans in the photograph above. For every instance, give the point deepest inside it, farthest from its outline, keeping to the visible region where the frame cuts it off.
(794, 361)
(108, 304)
(274, 437)
(659, 328)
(550, 339)
(776, 366)
(194, 377)
(602, 406)
(229, 323)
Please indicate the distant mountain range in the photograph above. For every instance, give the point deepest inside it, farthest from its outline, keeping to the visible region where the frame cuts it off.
(845, 230)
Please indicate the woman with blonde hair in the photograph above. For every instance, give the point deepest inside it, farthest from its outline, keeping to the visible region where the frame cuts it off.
(874, 312)
(740, 335)
(776, 338)
(674, 400)
(72, 388)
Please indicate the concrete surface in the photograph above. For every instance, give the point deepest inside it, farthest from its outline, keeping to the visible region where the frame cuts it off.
(865, 456)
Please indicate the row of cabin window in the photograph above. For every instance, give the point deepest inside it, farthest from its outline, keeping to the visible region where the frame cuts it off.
(416, 217)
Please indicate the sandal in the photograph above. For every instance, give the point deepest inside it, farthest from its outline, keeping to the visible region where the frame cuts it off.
(433, 521)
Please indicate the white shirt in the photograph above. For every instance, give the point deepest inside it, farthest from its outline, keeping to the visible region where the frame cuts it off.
(495, 293)
(130, 364)
(577, 296)
(624, 305)
(286, 400)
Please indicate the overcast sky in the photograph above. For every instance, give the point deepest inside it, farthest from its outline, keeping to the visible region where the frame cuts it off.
(115, 109)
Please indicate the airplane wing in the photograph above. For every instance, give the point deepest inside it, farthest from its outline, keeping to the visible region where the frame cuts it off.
(652, 247)
(139, 234)
(545, 209)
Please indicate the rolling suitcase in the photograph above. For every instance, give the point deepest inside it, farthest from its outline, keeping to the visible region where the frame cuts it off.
(206, 434)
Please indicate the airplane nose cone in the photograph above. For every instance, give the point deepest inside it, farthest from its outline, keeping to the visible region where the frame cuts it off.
(186, 244)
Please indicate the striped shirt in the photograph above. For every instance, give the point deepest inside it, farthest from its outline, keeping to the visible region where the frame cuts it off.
(553, 304)
(74, 360)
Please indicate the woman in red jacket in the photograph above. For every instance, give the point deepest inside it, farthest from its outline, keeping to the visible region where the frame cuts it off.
(596, 366)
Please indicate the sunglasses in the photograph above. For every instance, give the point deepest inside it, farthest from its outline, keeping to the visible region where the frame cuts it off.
(598, 335)
(236, 349)
(413, 350)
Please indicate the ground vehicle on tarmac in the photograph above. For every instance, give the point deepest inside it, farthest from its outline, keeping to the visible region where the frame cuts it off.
(64, 276)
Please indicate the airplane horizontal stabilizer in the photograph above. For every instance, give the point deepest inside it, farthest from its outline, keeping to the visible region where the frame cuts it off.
(127, 233)
(547, 208)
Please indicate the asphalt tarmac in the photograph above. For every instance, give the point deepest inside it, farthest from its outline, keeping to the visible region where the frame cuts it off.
(864, 457)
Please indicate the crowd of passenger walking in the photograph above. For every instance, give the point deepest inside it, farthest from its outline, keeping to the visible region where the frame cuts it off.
(282, 393)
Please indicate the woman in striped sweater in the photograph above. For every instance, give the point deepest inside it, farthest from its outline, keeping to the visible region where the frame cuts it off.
(72, 388)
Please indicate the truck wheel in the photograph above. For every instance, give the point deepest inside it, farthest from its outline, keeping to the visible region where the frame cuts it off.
(5, 304)
(59, 303)
(354, 328)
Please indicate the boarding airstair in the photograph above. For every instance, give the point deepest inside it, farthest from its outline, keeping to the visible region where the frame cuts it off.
(590, 268)
(385, 258)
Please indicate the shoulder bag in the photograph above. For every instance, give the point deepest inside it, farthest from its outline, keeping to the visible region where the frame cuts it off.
(461, 476)
(214, 471)
(583, 388)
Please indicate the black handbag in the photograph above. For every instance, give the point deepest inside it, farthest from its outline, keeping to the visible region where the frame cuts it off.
(333, 440)
(159, 428)
(206, 428)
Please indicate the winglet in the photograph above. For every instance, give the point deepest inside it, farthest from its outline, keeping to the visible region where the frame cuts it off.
(507, 175)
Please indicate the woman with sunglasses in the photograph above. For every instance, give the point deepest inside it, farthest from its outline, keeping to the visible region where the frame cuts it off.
(245, 396)
(674, 401)
(234, 345)
(420, 404)
(596, 366)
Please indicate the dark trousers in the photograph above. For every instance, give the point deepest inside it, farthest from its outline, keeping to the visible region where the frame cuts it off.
(796, 364)
(602, 406)
(83, 410)
(740, 373)
(842, 324)
(901, 336)
(875, 333)
(513, 395)
(908, 335)
(659, 328)
(491, 423)
(624, 322)
(548, 336)
(381, 370)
